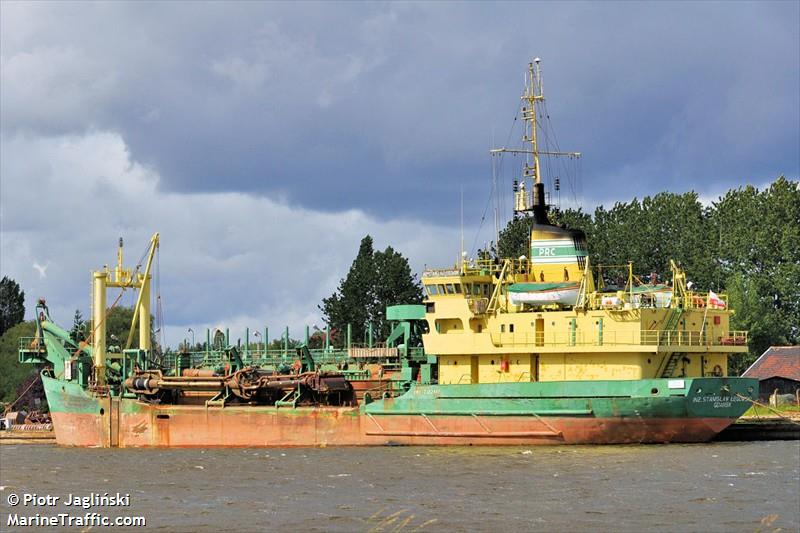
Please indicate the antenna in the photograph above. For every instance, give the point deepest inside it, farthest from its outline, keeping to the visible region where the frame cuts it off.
(461, 254)
(495, 200)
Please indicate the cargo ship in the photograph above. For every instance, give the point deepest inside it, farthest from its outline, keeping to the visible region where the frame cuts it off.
(538, 349)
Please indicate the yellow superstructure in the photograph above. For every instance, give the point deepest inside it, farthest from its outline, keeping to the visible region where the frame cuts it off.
(480, 337)
(548, 317)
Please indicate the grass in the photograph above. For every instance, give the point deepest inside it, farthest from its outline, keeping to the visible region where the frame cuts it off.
(756, 410)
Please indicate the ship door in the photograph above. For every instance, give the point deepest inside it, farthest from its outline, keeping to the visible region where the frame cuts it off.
(113, 419)
(473, 369)
(539, 332)
(534, 367)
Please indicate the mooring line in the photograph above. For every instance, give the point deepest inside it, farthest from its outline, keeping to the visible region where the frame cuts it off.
(754, 402)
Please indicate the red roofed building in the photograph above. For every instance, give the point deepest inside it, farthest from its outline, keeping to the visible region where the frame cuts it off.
(777, 369)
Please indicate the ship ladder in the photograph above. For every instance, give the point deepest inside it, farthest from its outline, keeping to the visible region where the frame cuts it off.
(581, 303)
(674, 319)
(671, 363)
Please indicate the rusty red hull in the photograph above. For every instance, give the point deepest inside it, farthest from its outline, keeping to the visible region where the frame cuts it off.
(644, 411)
(194, 426)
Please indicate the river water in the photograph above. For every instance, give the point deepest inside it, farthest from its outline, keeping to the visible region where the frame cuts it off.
(702, 487)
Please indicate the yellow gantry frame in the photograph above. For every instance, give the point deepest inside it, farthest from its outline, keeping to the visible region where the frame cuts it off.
(124, 278)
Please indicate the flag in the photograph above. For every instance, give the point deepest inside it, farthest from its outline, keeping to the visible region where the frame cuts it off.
(715, 301)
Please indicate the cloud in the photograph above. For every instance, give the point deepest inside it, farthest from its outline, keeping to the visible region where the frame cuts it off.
(264, 140)
(389, 108)
(42, 270)
(226, 258)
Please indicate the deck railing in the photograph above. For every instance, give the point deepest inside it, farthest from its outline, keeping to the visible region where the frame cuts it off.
(621, 338)
(277, 357)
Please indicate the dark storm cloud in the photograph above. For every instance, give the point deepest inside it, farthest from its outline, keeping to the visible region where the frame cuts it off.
(392, 107)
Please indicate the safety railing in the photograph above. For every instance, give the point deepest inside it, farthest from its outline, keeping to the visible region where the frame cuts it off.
(31, 344)
(693, 338)
(481, 267)
(622, 338)
(277, 357)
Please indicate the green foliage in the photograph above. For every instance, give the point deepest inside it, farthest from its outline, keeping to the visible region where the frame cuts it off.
(12, 304)
(78, 331)
(572, 219)
(759, 252)
(12, 372)
(375, 280)
(515, 239)
(118, 324)
(651, 232)
(747, 243)
(394, 284)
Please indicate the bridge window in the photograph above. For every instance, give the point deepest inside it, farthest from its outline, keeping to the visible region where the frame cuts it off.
(458, 288)
(431, 290)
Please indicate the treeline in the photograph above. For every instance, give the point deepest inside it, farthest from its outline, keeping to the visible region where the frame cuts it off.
(747, 244)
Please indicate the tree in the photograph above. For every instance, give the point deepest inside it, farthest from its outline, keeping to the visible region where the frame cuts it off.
(375, 280)
(394, 284)
(352, 301)
(12, 304)
(118, 324)
(515, 239)
(78, 331)
(759, 261)
(12, 372)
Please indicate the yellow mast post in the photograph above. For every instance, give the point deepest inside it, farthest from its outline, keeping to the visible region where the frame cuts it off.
(99, 325)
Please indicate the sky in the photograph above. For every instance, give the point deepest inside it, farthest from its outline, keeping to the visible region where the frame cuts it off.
(264, 140)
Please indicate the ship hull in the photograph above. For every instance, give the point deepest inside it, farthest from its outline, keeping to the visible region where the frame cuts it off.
(514, 414)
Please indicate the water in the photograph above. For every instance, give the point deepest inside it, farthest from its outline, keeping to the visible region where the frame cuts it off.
(702, 487)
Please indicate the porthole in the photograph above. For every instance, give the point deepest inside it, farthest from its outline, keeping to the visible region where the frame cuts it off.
(492, 361)
(102, 411)
(653, 391)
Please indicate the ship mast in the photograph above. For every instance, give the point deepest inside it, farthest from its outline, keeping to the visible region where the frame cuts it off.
(533, 200)
(533, 93)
